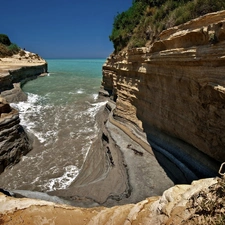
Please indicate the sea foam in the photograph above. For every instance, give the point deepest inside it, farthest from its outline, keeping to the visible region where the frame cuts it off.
(64, 181)
(29, 109)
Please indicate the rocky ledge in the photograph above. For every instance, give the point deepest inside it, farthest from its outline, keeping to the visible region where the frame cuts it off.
(14, 142)
(181, 204)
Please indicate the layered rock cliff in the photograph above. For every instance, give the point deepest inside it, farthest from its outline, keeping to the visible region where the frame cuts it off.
(18, 69)
(174, 90)
(14, 142)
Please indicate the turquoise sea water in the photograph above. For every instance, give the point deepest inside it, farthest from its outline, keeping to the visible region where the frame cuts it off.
(60, 117)
(69, 80)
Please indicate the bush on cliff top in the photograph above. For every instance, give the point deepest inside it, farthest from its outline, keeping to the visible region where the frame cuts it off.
(4, 39)
(7, 48)
(145, 19)
(124, 24)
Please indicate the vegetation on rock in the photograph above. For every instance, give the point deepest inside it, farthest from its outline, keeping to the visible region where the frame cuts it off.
(145, 19)
(7, 48)
(208, 205)
(4, 39)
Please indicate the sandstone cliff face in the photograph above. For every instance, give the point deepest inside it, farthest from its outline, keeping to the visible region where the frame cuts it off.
(13, 140)
(175, 88)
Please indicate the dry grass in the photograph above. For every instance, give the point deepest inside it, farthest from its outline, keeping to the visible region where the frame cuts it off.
(209, 205)
(6, 51)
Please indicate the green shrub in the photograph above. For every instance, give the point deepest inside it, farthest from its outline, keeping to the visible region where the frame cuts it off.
(136, 42)
(7, 48)
(152, 3)
(145, 19)
(13, 49)
(201, 7)
(4, 39)
(124, 24)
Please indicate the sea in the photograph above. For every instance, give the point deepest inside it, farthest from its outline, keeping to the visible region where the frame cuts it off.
(59, 116)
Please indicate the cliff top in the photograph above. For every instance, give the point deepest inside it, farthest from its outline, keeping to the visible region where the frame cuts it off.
(13, 57)
(23, 58)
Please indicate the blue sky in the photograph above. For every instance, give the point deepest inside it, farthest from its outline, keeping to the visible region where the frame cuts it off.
(61, 28)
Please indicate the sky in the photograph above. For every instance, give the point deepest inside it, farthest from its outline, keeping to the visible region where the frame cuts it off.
(61, 28)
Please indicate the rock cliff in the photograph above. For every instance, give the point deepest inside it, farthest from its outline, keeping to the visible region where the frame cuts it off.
(18, 69)
(14, 142)
(174, 90)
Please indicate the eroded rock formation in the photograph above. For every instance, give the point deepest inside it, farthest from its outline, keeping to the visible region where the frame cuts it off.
(13, 140)
(174, 89)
